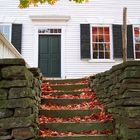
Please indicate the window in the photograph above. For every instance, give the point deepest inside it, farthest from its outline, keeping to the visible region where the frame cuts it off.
(49, 31)
(137, 42)
(6, 30)
(101, 42)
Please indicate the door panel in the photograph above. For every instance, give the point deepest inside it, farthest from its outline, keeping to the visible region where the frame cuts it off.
(50, 55)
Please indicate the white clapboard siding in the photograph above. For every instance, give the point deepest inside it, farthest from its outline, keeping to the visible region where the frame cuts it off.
(94, 12)
(7, 50)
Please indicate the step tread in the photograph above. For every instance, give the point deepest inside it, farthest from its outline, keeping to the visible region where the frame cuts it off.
(69, 87)
(68, 113)
(65, 92)
(64, 101)
(81, 137)
(78, 127)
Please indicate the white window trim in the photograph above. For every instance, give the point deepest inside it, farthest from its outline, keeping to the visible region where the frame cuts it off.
(136, 25)
(111, 44)
(10, 37)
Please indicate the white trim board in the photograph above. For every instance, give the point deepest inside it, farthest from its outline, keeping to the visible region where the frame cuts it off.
(36, 42)
(50, 18)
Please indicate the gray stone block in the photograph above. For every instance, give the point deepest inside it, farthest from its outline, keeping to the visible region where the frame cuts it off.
(16, 122)
(3, 94)
(13, 61)
(21, 93)
(16, 73)
(15, 83)
(23, 133)
(4, 113)
(23, 112)
(15, 103)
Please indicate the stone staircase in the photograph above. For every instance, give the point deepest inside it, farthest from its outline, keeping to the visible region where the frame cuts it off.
(69, 111)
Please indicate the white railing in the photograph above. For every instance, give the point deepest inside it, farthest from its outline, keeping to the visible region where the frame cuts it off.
(7, 50)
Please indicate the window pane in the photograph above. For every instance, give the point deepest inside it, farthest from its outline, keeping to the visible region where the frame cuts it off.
(94, 30)
(136, 35)
(138, 55)
(106, 30)
(95, 55)
(107, 55)
(59, 30)
(101, 55)
(101, 38)
(51, 30)
(107, 47)
(106, 38)
(137, 39)
(94, 38)
(137, 47)
(43, 31)
(136, 31)
(101, 47)
(5, 29)
(97, 38)
(100, 30)
(55, 30)
(95, 48)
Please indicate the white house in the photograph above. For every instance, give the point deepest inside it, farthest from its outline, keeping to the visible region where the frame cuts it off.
(70, 40)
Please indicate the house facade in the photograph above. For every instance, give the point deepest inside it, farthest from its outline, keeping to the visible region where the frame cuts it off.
(69, 40)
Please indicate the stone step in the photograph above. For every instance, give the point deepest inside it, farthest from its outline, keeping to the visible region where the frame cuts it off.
(69, 87)
(82, 137)
(78, 127)
(61, 81)
(68, 113)
(64, 101)
(66, 92)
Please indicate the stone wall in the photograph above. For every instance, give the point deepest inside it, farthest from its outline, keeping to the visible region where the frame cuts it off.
(19, 100)
(119, 90)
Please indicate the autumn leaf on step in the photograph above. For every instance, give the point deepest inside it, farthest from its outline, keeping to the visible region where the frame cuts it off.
(100, 117)
(83, 89)
(45, 87)
(50, 133)
(82, 106)
(83, 95)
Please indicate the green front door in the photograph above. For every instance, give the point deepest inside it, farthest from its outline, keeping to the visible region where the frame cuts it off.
(50, 55)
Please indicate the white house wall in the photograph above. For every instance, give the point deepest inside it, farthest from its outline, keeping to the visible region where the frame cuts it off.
(95, 12)
(5, 52)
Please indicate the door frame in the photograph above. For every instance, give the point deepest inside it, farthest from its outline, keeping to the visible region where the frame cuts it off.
(36, 44)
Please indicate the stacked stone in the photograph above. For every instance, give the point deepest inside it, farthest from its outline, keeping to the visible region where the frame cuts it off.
(19, 100)
(119, 90)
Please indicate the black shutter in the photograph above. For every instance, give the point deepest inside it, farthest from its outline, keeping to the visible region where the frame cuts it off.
(17, 36)
(130, 49)
(85, 40)
(117, 41)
